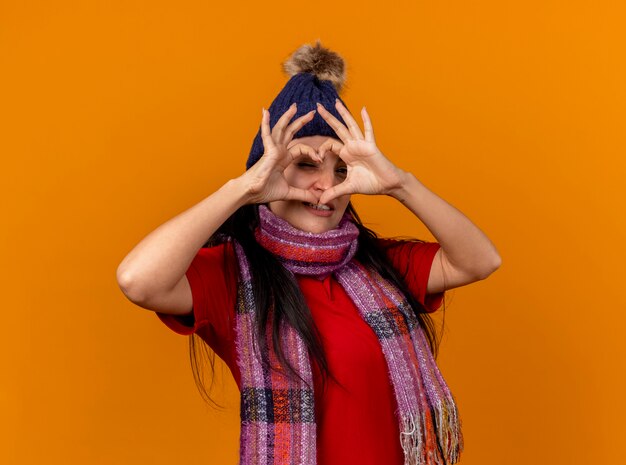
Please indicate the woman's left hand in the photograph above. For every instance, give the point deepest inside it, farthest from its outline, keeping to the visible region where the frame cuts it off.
(369, 171)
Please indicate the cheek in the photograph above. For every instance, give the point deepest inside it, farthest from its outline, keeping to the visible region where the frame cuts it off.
(292, 176)
(345, 200)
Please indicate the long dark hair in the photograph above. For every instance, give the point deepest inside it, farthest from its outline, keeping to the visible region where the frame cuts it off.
(279, 292)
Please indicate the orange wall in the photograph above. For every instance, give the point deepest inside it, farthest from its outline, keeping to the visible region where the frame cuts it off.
(117, 115)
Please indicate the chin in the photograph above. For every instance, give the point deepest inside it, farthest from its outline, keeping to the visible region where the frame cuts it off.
(312, 227)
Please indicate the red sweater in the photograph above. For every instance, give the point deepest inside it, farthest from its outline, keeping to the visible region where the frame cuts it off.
(356, 423)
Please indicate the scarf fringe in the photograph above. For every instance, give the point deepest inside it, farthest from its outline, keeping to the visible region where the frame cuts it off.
(416, 434)
(411, 439)
(449, 430)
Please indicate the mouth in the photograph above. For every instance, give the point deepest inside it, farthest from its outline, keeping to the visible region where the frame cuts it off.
(319, 207)
(324, 211)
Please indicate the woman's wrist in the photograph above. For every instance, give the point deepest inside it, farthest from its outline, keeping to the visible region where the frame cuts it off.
(239, 189)
(406, 182)
(402, 185)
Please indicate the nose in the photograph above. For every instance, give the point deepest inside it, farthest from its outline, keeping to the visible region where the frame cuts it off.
(325, 178)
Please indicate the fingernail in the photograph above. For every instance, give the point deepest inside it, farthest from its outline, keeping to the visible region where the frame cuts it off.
(263, 111)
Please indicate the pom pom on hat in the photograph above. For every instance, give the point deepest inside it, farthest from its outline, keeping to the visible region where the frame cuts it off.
(317, 74)
(320, 61)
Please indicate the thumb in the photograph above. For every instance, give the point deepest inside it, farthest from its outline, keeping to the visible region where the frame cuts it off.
(303, 195)
(336, 191)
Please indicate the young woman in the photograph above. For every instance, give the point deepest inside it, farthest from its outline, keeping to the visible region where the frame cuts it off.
(324, 326)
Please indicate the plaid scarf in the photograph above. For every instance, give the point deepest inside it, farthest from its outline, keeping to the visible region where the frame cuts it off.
(277, 413)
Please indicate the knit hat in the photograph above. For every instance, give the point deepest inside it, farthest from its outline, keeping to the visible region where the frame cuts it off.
(317, 75)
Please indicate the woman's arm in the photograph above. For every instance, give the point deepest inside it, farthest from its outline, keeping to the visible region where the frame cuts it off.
(153, 274)
(466, 254)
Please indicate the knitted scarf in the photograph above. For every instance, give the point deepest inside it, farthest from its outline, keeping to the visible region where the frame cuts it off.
(278, 414)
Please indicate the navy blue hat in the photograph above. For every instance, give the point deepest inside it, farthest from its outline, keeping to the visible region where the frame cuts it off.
(316, 76)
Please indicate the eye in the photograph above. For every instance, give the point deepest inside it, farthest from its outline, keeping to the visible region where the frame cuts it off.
(306, 164)
(343, 170)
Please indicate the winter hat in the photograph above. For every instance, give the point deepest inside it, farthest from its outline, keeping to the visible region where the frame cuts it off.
(317, 75)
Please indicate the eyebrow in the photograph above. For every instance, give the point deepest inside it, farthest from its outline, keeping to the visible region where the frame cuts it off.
(307, 158)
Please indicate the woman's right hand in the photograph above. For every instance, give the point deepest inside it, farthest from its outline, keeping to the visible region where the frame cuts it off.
(265, 181)
(153, 276)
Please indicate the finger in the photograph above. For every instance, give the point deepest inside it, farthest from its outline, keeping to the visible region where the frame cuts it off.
(277, 131)
(367, 124)
(331, 145)
(343, 188)
(296, 126)
(298, 150)
(300, 194)
(355, 130)
(334, 123)
(265, 130)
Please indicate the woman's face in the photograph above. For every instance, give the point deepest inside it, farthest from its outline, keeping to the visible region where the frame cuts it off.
(306, 173)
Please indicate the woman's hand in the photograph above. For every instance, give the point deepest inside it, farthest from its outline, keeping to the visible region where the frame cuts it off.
(265, 181)
(369, 171)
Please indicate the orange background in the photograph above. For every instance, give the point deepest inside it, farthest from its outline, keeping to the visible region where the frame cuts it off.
(118, 115)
